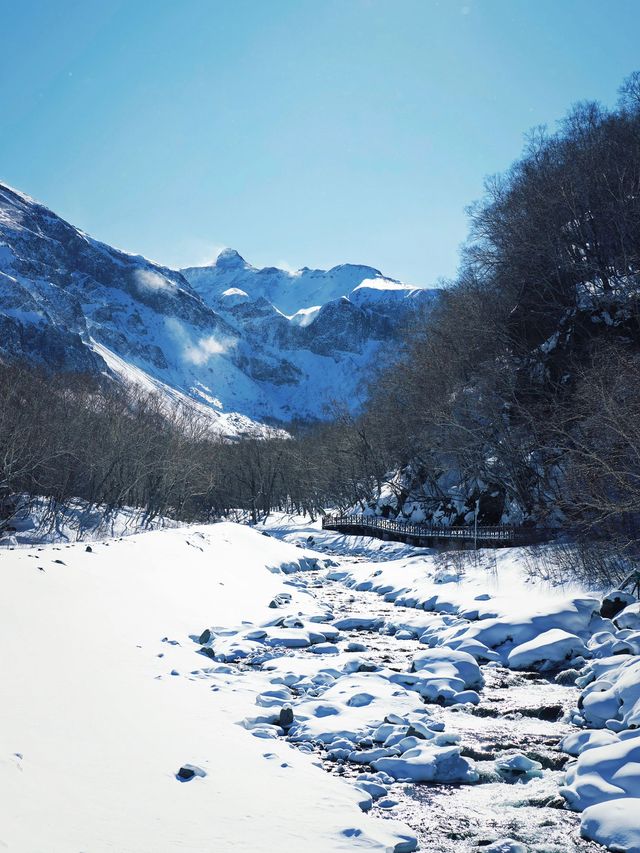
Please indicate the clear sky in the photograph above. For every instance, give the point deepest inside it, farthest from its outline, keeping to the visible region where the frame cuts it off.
(300, 132)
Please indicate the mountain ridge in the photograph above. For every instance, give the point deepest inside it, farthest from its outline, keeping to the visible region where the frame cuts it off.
(246, 346)
(289, 291)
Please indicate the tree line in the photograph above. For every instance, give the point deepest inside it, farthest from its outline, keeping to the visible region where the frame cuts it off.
(67, 436)
(526, 378)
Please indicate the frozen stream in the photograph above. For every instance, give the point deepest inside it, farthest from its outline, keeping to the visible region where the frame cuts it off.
(519, 714)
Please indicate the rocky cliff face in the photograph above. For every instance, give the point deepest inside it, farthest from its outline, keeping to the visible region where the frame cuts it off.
(244, 344)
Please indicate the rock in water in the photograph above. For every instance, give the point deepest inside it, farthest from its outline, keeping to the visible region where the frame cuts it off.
(506, 845)
(567, 677)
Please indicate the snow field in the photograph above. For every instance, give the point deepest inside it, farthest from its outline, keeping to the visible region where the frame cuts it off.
(107, 704)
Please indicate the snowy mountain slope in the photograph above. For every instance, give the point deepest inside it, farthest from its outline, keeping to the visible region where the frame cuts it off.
(217, 337)
(317, 332)
(73, 303)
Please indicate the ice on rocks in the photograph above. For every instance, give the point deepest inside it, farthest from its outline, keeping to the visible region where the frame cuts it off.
(517, 767)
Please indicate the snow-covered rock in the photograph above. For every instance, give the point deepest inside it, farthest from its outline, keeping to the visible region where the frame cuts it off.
(613, 694)
(446, 663)
(505, 845)
(615, 825)
(605, 773)
(546, 651)
(629, 617)
(427, 762)
(615, 601)
(604, 644)
(579, 741)
(518, 766)
(351, 709)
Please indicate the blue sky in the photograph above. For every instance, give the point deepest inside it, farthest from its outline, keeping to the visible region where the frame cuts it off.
(300, 132)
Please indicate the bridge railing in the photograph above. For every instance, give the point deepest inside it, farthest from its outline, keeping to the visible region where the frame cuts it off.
(482, 533)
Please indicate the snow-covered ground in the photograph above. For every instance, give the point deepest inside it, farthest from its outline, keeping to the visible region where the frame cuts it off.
(39, 521)
(299, 679)
(105, 699)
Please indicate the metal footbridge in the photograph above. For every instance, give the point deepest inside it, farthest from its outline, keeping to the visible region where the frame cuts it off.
(481, 535)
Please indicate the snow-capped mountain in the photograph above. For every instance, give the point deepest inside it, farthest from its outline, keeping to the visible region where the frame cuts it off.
(242, 343)
(290, 292)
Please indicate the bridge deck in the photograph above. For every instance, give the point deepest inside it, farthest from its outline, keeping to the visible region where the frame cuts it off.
(428, 534)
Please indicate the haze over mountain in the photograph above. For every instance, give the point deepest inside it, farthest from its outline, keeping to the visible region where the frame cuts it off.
(244, 344)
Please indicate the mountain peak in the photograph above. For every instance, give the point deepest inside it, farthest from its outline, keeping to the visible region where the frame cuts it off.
(229, 258)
